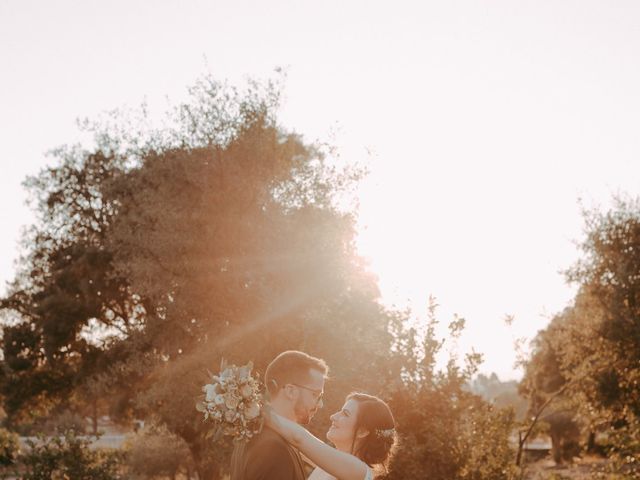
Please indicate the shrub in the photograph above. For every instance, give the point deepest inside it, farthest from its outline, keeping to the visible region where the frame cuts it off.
(9, 447)
(68, 457)
(156, 452)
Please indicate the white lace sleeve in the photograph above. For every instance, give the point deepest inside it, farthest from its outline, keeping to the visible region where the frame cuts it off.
(369, 474)
(319, 474)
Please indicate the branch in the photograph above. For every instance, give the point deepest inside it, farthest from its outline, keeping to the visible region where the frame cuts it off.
(523, 440)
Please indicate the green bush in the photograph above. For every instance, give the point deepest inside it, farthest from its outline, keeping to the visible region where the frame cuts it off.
(9, 447)
(446, 432)
(156, 452)
(624, 448)
(451, 434)
(68, 457)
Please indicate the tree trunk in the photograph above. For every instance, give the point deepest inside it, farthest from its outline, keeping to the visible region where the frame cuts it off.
(523, 438)
(94, 417)
(591, 442)
(556, 449)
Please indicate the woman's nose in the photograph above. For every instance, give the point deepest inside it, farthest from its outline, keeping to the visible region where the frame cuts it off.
(333, 417)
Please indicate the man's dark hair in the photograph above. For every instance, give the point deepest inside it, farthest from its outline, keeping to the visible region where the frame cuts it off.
(292, 366)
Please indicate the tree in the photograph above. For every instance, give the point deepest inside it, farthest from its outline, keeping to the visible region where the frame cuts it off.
(592, 349)
(9, 448)
(565, 435)
(66, 286)
(607, 306)
(448, 432)
(217, 238)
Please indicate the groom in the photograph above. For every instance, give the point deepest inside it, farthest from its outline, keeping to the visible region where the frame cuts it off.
(295, 382)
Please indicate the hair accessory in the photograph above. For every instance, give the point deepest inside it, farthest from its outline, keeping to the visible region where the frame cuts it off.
(389, 433)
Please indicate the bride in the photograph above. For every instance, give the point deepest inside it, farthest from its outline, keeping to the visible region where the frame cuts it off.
(363, 433)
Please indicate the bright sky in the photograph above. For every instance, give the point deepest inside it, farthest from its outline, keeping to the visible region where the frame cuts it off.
(487, 121)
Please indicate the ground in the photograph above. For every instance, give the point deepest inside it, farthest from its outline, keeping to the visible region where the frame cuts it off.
(585, 468)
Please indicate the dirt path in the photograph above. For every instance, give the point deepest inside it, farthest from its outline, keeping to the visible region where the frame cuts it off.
(585, 468)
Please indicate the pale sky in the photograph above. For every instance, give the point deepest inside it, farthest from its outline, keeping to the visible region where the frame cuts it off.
(487, 121)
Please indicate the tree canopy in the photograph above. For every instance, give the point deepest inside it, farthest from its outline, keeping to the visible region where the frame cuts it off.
(591, 351)
(159, 252)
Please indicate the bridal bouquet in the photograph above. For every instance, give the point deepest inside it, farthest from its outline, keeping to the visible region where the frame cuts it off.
(233, 402)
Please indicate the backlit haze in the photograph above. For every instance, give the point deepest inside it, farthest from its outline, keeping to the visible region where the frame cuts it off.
(482, 123)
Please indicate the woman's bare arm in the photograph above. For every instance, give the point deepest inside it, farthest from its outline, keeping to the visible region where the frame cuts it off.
(341, 465)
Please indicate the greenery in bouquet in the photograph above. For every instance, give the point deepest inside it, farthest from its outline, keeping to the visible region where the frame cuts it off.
(233, 403)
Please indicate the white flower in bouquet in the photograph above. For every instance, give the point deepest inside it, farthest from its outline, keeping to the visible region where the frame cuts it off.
(232, 403)
(252, 411)
(246, 391)
(230, 416)
(209, 392)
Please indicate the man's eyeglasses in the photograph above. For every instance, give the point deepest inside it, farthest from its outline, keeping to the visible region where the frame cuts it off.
(319, 393)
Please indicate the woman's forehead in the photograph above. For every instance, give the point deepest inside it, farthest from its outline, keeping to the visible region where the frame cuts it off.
(351, 406)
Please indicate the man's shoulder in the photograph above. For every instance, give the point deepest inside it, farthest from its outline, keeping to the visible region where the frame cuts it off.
(268, 438)
(269, 452)
(266, 456)
(267, 444)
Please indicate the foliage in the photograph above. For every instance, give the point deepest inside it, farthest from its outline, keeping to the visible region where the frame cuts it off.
(217, 237)
(591, 350)
(9, 447)
(485, 440)
(68, 457)
(158, 253)
(66, 285)
(606, 314)
(448, 432)
(156, 452)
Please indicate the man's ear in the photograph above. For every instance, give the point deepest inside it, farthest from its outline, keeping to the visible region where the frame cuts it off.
(289, 392)
(362, 433)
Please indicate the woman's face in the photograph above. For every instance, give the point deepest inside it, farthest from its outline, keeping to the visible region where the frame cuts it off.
(343, 424)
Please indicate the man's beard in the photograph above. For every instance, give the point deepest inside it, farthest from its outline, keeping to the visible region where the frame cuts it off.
(303, 416)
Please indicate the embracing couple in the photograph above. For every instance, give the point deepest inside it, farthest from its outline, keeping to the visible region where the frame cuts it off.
(363, 431)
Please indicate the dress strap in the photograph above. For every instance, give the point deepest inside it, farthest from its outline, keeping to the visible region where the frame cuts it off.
(369, 474)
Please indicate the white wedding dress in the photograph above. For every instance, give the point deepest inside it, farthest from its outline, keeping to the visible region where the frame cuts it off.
(319, 474)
